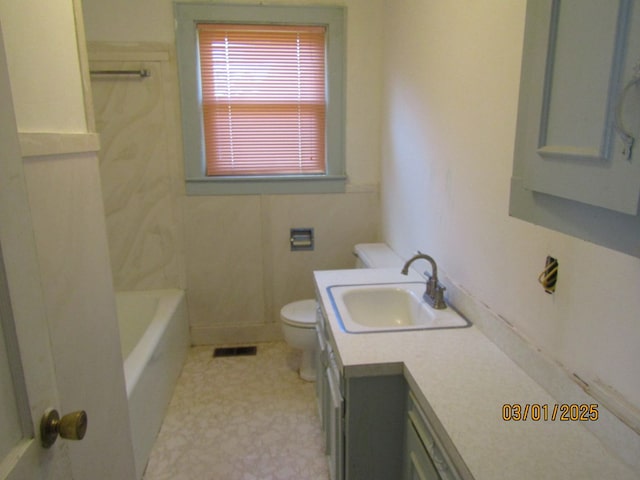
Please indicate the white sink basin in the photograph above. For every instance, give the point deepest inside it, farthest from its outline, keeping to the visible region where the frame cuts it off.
(389, 307)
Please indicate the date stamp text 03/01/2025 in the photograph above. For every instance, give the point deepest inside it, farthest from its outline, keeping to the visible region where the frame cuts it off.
(537, 412)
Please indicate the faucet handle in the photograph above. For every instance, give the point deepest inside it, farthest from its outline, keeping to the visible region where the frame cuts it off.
(430, 284)
(438, 298)
(435, 293)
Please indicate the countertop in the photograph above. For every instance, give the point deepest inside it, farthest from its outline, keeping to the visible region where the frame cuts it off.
(464, 380)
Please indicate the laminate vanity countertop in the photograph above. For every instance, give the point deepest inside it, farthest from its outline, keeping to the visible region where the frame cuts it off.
(464, 380)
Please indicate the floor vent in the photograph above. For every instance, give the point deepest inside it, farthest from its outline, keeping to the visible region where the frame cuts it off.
(235, 351)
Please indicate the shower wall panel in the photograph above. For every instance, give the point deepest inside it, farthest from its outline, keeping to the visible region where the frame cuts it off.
(139, 168)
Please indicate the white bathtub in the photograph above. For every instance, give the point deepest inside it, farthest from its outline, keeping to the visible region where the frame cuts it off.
(154, 333)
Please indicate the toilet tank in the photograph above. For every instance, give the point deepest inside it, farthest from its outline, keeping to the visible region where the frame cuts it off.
(376, 255)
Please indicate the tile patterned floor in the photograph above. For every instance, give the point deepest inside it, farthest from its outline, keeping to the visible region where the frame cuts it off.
(240, 418)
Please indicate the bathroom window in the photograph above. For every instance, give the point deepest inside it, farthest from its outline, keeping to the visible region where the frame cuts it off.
(262, 98)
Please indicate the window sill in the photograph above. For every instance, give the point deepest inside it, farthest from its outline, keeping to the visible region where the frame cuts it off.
(266, 185)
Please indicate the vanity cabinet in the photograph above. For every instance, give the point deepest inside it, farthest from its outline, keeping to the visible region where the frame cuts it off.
(374, 428)
(362, 417)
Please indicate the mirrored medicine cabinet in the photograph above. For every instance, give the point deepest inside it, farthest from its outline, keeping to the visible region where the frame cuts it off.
(577, 156)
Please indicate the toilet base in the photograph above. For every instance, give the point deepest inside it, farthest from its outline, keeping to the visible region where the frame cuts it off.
(307, 369)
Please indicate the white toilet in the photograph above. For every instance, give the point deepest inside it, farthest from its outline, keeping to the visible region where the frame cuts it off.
(299, 318)
(376, 255)
(299, 329)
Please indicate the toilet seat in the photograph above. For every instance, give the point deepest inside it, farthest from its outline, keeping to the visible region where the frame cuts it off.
(300, 314)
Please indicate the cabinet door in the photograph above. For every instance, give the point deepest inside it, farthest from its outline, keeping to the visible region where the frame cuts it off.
(321, 365)
(418, 465)
(335, 427)
(423, 443)
(580, 68)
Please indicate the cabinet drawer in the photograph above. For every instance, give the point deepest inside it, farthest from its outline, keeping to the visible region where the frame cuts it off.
(432, 446)
(418, 465)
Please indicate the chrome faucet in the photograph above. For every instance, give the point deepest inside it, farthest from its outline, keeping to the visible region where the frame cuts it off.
(434, 295)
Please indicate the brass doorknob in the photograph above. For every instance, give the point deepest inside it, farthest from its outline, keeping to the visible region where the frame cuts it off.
(72, 426)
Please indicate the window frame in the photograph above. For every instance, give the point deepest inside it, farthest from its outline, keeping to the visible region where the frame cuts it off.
(197, 182)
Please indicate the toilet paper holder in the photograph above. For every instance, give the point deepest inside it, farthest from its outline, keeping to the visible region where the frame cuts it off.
(301, 239)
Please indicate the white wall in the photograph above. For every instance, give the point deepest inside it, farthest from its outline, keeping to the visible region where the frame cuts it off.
(451, 74)
(31, 22)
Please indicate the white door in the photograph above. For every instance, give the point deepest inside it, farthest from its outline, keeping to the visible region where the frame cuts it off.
(27, 381)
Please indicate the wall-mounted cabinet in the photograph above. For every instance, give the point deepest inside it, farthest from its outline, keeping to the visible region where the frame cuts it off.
(575, 167)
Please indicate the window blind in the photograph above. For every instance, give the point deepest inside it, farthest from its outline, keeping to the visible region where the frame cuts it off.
(263, 99)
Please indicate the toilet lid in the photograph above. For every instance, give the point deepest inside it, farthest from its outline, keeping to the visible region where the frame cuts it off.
(301, 313)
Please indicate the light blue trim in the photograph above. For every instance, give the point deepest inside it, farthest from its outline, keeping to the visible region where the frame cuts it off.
(265, 185)
(187, 15)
